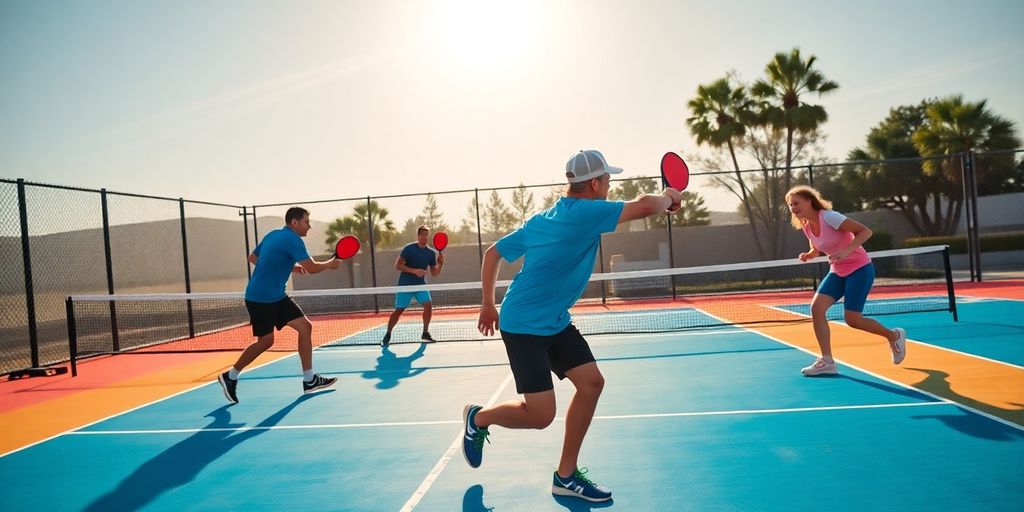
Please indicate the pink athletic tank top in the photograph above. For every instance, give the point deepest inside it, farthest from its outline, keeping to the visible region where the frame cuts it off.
(832, 240)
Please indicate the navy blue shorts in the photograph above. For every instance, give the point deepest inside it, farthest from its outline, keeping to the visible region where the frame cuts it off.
(533, 358)
(854, 287)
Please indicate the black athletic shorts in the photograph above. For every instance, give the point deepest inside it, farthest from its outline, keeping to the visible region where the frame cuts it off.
(534, 357)
(265, 316)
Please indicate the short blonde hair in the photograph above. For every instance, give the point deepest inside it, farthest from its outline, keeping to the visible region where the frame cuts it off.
(809, 193)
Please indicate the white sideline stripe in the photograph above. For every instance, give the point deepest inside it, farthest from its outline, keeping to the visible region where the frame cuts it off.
(937, 347)
(769, 411)
(965, 407)
(193, 388)
(424, 486)
(459, 422)
(275, 427)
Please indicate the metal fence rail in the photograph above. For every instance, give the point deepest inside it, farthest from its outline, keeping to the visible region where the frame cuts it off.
(57, 240)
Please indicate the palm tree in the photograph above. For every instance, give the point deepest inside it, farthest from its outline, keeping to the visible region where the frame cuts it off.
(789, 79)
(358, 224)
(957, 126)
(721, 114)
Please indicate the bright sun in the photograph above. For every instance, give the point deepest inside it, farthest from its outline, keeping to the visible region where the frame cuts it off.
(486, 35)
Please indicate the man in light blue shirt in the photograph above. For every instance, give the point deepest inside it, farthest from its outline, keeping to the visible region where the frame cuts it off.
(559, 245)
(278, 255)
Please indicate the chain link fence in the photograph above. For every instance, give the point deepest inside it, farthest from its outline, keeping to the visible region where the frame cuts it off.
(163, 245)
(82, 241)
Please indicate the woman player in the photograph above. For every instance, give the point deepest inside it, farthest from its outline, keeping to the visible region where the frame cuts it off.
(851, 274)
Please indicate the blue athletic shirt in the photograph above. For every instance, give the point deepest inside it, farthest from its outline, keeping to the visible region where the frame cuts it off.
(560, 245)
(277, 255)
(416, 257)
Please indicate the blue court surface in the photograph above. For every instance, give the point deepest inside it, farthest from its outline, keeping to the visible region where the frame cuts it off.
(711, 419)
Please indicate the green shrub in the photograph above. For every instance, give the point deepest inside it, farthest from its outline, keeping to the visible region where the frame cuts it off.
(881, 240)
(990, 242)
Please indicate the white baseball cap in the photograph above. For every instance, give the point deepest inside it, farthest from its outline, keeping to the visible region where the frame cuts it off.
(588, 164)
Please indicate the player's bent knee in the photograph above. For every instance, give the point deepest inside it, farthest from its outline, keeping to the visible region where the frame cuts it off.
(302, 325)
(853, 318)
(543, 420)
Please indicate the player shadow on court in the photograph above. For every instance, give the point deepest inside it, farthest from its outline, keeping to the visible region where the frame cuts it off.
(391, 369)
(473, 500)
(937, 383)
(883, 386)
(578, 505)
(179, 464)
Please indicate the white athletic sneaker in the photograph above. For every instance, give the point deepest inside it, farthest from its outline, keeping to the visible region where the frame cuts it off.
(899, 347)
(820, 367)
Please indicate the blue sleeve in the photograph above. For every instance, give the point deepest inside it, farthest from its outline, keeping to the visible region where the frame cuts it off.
(258, 248)
(598, 217)
(297, 250)
(513, 245)
(405, 254)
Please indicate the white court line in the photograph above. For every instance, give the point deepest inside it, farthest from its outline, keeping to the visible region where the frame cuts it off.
(938, 347)
(770, 411)
(275, 427)
(898, 383)
(459, 422)
(193, 388)
(424, 486)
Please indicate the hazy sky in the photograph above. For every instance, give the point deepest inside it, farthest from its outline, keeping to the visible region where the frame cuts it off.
(254, 102)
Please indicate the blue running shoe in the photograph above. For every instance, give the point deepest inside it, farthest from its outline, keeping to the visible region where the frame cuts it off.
(473, 437)
(579, 486)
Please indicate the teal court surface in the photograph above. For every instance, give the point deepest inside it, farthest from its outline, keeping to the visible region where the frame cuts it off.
(702, 419)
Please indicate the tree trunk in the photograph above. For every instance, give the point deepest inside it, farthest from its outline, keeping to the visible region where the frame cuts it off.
(746, 201)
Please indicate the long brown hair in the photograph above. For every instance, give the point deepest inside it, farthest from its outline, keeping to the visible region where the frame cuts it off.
(810, 194)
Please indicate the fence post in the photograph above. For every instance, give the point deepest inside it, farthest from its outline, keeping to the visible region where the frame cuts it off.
(479, 236)
(245, 229)
(30, 297)
(600, 250)
(188, 280)
(373, 251)
(671, 252)
(255, 230)
(815, 274)
(115, 337)
(965, 172)
(974, 211)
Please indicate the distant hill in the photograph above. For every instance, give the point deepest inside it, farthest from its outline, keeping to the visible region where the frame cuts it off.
(143, 254)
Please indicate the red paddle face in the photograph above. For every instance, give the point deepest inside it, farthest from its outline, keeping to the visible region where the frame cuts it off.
(347, 247)
(440, 241)
(674, 172)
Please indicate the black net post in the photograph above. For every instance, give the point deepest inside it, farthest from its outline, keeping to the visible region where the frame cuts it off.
(949, 283)
(30, 302)
(184, 257)
(114, 337)
(72, 336)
